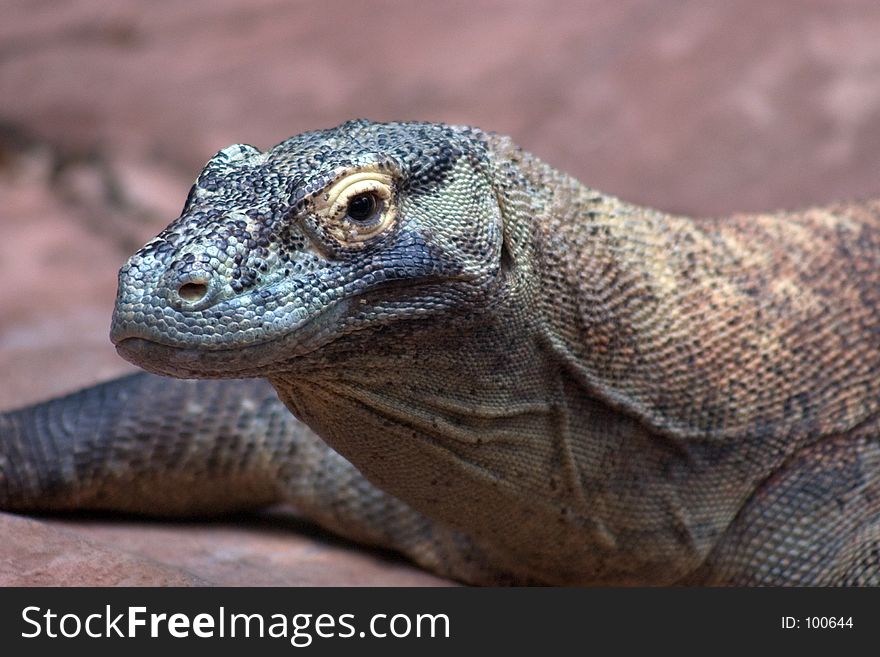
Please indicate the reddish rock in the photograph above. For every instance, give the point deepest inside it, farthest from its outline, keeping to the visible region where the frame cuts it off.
(276, 548)
(35, 554)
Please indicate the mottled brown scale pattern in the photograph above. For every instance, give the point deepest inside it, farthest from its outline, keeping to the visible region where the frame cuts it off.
(501, 373)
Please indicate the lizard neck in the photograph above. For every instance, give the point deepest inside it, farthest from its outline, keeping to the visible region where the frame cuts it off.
(708, 329)
(495, 441)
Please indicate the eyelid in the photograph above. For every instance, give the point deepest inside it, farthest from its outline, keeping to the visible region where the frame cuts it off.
(359, 183)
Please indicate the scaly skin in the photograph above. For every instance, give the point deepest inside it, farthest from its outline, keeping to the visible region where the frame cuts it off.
(529, 381)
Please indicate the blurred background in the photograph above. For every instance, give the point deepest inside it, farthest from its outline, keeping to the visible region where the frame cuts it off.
(109, 108)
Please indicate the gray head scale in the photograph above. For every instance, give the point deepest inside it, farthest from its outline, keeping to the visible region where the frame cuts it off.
(328, 234)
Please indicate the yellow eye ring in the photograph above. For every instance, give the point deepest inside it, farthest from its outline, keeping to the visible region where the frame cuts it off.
(345, 202)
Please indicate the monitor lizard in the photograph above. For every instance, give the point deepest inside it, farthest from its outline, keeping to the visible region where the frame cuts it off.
(489, 367)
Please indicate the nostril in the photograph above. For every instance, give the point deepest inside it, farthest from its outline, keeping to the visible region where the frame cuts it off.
(192, 292)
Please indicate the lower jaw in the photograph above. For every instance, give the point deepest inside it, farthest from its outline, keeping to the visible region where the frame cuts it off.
(193, 363)
(234, 362)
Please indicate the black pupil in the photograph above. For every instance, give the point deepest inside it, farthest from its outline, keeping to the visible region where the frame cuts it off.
(361, 207)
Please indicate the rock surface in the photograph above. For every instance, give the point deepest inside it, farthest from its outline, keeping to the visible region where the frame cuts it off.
(109, 109)
(36, 554)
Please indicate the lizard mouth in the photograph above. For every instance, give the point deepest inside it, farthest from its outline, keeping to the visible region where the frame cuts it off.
(235, 361)
(191, 362)
(256, 359)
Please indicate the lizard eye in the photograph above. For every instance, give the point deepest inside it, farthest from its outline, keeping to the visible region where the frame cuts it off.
(363, 207)
(359, 207)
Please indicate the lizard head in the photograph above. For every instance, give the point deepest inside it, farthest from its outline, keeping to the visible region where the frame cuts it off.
(328, 234)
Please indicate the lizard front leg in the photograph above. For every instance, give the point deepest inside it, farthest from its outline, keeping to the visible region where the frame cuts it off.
(168, 447)
(829, 490)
